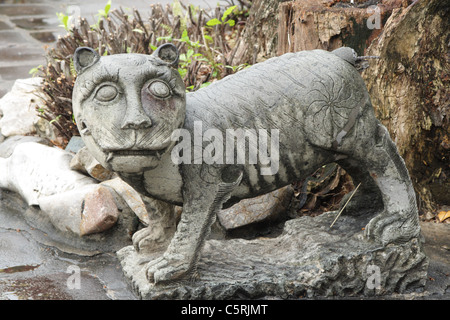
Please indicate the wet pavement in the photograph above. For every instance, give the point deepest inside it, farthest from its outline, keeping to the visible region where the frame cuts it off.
(36, 266)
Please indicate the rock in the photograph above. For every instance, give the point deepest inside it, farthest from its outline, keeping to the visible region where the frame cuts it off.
(99, 212)
(84, 162)
(247, 211)
(46, 130)
(75, 144)
(9, 144)
(19, 108)
(64, 210)
(34, 170)
(159, 217)
(42, 176)
(131, 197)
(308, 260)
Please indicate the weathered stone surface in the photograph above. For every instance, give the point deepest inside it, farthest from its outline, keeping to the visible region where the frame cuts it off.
(8, 145)
(309, 259)
(75, 144)
(18, 108)
(72, 202)
(268, 206)
(131, 197)
(84, 162)
(99, 212)
(34, 170)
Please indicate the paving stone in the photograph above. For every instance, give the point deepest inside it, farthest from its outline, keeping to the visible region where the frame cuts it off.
(26, 9)
(21, 53)
(35, 23)
(16, 72)
(45, 36)
(11, 36)
(4, 26)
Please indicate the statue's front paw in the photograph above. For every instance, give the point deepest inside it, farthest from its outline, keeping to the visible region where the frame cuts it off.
(167, 268)
(392, 228)
(150, 240)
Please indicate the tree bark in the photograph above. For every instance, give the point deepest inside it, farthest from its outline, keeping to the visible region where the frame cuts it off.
(331, 24)
(260, 37)
(409, 88)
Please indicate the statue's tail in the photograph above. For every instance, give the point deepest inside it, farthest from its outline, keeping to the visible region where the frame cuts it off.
(350, 55)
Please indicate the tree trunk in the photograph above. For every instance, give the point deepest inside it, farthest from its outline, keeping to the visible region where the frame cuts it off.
(260, 37)
(331, 24)
(409, 88)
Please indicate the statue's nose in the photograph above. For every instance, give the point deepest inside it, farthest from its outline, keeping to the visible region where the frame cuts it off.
(143, 124)
(136, 119)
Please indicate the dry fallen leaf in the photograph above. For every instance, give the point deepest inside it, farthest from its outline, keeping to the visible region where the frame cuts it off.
(442, 215)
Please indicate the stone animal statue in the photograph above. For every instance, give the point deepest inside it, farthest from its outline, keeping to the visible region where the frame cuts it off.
(312, 105)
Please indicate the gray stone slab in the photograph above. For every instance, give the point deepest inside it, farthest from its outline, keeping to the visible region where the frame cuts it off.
(4, 26)
(24, 53)
(75, 144)
(11, 36)
(16, 72)
(26, 9)
(36, 23)
(45, 36)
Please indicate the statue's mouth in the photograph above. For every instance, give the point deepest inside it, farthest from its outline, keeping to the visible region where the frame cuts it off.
(135, 153)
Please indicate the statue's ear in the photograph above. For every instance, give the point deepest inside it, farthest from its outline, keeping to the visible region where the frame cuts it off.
(168, 53)
(84, 57)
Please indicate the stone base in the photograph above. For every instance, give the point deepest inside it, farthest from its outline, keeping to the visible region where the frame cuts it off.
(309, 259)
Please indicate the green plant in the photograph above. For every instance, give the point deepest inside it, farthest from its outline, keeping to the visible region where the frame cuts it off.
(102, 14)
(215, 21)
(64, 20)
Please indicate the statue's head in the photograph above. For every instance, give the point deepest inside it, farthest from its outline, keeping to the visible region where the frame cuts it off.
(126, 106)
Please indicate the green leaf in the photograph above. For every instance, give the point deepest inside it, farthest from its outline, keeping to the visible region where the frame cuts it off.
(182, 72)
(56, 119)
(107, 7)
(182, 57)
(209, 38)
(138, 30)
(205, 84)
(213, 22)
(64, 20)
(228, 12)
(153, 47)
(177, 8)
(34, 71)
(231, 22)
(185, 36)
(167, 38)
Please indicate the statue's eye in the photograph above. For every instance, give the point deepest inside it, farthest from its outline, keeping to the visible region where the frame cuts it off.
(159, 89)
(106, 93)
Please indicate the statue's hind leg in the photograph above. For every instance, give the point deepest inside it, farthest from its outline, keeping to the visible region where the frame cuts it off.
(367, 199)
(398, 222)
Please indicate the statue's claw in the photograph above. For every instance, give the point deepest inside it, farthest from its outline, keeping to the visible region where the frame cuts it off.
(166, 269)
(391, 228)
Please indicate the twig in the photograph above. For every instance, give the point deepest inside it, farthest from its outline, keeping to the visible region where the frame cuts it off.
(345, 205)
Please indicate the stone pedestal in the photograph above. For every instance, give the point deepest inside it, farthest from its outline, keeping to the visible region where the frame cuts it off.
(308, 260)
